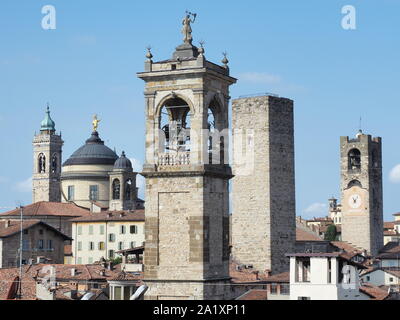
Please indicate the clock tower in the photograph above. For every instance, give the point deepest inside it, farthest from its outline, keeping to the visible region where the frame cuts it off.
(361, 189)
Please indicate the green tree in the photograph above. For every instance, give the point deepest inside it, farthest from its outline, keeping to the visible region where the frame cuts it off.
(330, 234)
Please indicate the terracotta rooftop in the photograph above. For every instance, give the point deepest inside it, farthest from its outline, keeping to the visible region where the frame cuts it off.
(303, 235)
(346, 247)
(391, 250)
(254, 294)
(137, 215)
(374, 292)
(11, 227)
(124, 276)
(93, 272)
(49, 209)
(389, 225)
(283, 277)
(244, 275)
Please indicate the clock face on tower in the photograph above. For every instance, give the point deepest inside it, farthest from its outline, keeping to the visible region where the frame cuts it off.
(355, 201)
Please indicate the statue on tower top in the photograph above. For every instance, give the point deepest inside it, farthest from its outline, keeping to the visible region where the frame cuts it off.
(95, 122)
(187, 29)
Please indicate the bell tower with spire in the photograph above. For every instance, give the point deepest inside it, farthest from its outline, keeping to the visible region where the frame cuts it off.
(187, 174)
(47, 152)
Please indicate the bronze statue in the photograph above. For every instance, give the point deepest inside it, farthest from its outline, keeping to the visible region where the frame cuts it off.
(95, 122)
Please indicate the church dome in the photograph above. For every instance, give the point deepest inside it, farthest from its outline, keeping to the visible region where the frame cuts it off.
(92, 152)
(47, 124)
(123, 162)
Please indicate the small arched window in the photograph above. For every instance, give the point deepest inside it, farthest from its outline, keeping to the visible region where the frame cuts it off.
(354, 156)
(128, 189)
(354, 183)
(41, 163)
(54, 163)
(116, 189)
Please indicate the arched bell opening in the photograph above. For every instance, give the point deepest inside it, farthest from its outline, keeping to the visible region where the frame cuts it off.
(41, 163)
(54, 163)
(354, 160)
(174, 121)
(216, 129)
(128, 189)
(116, 189)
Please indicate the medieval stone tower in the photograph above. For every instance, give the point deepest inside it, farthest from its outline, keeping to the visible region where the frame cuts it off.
(187, 222)
(361, 190)
(47, 151)
(263, 217)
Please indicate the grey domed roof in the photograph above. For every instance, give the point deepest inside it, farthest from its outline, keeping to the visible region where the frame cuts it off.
(123, 162)
(92, 152)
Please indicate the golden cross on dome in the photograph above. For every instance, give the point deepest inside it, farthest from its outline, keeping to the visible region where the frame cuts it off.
(95, 122)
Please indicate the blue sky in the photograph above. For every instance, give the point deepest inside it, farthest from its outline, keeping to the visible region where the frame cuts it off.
(296, 49)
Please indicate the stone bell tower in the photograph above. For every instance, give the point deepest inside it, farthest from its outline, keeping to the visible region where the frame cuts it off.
(123, 191)
(47, 151)
(361, 189)
(187, 222)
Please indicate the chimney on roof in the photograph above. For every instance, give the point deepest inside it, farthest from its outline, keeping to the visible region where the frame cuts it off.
(102, 272)
(109, 214)
(7, 223)
(122, 214)
(257, 275)
(73, 272)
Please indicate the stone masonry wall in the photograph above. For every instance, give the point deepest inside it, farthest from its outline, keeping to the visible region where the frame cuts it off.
(263, 217)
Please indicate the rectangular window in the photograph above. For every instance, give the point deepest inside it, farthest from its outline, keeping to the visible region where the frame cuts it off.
(274, 289)
(79, 230)
(91, 246)
(26, 231)
(101, 229)
(101, 245)
(90, 229)
(285, 288)
(329, 271)
(25, 244)
(304, 298)
(368, 278)
(120, 245)
(49, 244)
(127, 292)
(94, 192)
(111, 237)
(133, 244)
(40, 244)
(133, 229)
(71, 193)
(110, 254)
(122, 229)
(391, 279)
(79, 246)
(117, 293)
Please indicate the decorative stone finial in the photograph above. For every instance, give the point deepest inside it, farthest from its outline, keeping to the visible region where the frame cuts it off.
(225, 60)
(187, 29)
(149, 54)
(95, 123)
(201, 49)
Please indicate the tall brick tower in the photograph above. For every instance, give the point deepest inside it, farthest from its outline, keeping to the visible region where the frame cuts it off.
(47, 152)
(263, 216)
(187, 221)
(361, 190)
